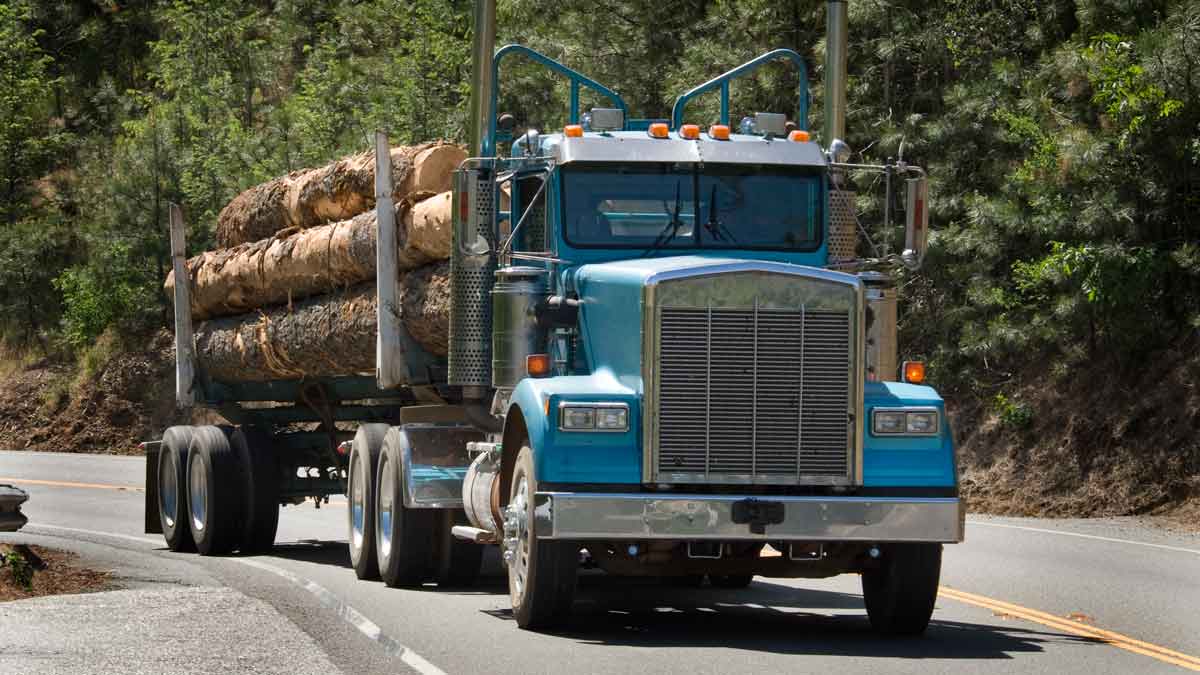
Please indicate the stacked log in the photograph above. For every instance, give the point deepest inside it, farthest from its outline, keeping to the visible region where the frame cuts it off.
(290, 292)
(334, 192)
(296, 264)
(325, 336)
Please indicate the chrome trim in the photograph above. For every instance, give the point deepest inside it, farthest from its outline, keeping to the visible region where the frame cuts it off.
(640, 148)
(651, 358)
(937, 425)
(584, 404)
(440, 485)
(620, 516)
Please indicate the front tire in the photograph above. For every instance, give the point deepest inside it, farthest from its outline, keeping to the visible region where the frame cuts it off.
(901, 592)
(541, 573)
(360, 489)
(172, 488)
(216, 499)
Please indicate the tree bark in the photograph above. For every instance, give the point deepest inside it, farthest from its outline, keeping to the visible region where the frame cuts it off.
(294, 265)
(325, 336)
(337, 191)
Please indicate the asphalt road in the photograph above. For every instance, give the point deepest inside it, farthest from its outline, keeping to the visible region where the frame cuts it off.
(1021, 596)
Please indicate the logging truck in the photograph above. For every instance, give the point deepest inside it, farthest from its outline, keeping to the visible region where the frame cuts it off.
(667, 357)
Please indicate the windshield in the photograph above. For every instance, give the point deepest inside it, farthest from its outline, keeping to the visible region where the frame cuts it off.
(681, 206)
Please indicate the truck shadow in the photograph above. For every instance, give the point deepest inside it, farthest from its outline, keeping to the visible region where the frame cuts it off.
(779, 619)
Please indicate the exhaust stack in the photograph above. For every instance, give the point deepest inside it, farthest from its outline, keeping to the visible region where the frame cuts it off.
(483, 47)
(835, 71)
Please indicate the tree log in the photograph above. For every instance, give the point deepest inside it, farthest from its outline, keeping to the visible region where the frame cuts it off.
(294, 265)
(325, 336)
(337, 191)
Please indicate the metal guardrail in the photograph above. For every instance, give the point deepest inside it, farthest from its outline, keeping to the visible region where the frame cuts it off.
(11, 499)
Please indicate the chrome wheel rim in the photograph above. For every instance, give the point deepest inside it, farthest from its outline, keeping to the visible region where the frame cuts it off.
(386, 502)
(168, 490)
(358, 503)
(198, 492)
(516, 540)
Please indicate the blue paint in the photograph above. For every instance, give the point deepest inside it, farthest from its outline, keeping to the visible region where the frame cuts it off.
(889, 461)
(722, 82)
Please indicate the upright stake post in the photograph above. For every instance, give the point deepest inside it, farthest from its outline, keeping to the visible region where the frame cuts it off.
(185, 353)
(391, 370)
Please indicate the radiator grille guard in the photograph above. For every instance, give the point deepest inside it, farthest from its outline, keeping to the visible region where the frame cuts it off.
(754, 378)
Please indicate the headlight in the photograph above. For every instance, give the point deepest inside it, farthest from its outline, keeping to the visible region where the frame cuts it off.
(904, 421)
(594, 417)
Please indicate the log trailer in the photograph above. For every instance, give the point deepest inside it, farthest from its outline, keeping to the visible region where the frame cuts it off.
(666, 355)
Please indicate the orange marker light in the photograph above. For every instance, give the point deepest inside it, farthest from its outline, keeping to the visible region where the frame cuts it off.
(537, 365)
(718, 132)
(573, 131)
(658, 130)
(914, 372)
(799, 136)
(689, 131)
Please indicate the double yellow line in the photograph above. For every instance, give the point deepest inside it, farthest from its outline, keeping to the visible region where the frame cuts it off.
(71, 484)
(1075, 628)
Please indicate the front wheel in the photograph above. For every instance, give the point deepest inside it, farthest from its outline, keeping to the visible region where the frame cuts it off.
(901, 592)
(541, 573)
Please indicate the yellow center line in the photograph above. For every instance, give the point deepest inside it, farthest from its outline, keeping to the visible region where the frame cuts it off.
(1083, 630)
(70, 484)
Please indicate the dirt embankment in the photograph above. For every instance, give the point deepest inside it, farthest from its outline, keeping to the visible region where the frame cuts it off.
(1097, 441)
(35, 571)
(119, 395)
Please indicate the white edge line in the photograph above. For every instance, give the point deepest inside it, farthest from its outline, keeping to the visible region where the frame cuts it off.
(1178, 549)
(325, 596)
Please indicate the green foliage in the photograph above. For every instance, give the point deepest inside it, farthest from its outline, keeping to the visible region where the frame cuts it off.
(19, 569)
(1013, 414)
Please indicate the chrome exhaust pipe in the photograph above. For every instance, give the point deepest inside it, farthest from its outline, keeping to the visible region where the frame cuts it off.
(836, 45)
(482, 51)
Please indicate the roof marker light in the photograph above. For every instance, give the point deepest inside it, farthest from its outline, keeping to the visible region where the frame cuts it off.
(573, 131)
(689, 131)
(799, 136)
(718, 132)
(658, 130)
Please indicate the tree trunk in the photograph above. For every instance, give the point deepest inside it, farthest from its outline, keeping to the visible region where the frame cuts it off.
(325, 336)
(337, 191)
(295, 265)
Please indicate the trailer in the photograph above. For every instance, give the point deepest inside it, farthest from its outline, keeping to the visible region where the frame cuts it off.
(666, 355)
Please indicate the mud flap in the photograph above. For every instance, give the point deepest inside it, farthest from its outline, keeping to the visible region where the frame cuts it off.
(153, 524)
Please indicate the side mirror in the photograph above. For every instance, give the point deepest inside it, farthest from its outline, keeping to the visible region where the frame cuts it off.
(916, 227)
(469, 238)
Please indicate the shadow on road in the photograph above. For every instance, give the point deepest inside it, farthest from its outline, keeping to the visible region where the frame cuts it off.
(777, 619)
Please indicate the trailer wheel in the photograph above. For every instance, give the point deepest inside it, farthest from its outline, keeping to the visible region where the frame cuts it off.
(541, 573)
(216, 503)
(360, 489)
(458, 561)
(404, 536)
(172, 488)
(900, 594)
(256, 452)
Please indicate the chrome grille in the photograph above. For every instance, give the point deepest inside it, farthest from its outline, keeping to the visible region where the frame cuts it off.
(762, 395)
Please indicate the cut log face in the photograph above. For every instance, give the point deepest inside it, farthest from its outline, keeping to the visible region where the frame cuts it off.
(297, 264)
(337, 191)
(325, 336)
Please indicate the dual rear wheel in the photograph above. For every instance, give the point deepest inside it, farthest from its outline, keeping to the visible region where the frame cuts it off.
(218, 490)
(404, 546)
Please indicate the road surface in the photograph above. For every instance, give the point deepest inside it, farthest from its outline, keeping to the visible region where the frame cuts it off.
(1021, 596)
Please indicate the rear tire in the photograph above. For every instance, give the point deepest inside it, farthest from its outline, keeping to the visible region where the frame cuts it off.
(256, 452)
(360, 490)
(172, 488)
(216, 492)
(901, 593)
(404, 536)
(541, 573)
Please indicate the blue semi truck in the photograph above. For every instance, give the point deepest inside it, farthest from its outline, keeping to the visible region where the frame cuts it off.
(667, 358)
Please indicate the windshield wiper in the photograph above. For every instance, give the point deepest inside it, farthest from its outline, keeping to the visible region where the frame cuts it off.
(715, 227)
(672, 228)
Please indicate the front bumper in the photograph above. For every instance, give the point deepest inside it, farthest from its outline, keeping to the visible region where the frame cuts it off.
(577, 515)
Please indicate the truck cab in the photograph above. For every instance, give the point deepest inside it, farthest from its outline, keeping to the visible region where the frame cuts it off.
(693, 374)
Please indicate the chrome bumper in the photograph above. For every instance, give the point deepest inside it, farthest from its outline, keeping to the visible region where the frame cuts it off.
(575, 515)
